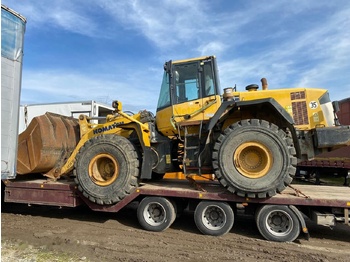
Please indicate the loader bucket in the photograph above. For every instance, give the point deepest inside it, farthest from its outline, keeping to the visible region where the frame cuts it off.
(46, 144)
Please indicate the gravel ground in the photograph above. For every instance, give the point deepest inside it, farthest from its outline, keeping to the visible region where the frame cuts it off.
(51, 234)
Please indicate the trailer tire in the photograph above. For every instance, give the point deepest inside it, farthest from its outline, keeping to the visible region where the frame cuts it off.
(254, 158)
(277, 223)
(107, 169)
(214, 218)
(156, 213)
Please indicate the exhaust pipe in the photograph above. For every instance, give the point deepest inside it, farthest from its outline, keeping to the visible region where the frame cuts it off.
(264, 83)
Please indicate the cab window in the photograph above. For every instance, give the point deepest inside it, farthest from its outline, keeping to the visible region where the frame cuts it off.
(186, 83)
(189, 81)
(209, 88)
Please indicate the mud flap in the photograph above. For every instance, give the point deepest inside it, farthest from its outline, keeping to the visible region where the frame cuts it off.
(302, 221)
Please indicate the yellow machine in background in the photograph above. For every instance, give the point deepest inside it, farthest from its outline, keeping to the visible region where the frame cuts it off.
(250, 141)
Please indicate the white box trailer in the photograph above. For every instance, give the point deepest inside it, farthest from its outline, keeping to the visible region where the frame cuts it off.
(72, 109)
(12, 37)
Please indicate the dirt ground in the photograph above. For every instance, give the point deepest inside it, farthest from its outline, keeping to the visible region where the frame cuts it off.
(51, 234)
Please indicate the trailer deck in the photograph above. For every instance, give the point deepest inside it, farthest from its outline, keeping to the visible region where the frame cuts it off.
(65, 193)
(213, 214)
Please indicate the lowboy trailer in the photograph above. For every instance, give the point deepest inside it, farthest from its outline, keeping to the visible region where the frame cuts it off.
(196, 130)
(278, 218)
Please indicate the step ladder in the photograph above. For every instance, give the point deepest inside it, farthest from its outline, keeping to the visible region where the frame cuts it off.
(192, 150)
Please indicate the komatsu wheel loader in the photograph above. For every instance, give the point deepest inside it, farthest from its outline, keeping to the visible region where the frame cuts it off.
(251, 141)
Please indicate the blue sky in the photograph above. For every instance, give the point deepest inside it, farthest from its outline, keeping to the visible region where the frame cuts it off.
(115, 50)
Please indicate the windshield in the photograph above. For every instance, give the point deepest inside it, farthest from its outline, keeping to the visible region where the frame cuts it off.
(164, 96)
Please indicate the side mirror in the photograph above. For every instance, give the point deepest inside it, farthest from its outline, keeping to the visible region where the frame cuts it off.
(168, 66)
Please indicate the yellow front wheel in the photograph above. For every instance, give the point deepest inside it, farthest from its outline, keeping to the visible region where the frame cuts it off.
(103, 169)
(107, 169)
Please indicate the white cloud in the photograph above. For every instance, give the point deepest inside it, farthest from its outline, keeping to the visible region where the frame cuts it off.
(136, 90)
(212, 48)
(69, 16)
(292, 43)
(318, 56)
(73, 22)
(164, 23)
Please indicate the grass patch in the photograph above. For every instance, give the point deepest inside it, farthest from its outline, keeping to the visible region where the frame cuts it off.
(23, 252)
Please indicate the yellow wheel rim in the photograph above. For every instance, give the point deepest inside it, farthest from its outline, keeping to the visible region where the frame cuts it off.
(103, 169)
(253, 160)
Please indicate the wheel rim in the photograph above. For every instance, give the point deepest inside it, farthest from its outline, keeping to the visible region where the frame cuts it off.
(253, 160)
(103, 169)
(279, 223)
(214, 217)
(154, 214)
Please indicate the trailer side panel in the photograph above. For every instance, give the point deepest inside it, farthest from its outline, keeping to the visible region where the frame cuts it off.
(12, 35)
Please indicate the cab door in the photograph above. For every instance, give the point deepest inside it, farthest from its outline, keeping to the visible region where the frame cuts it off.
(186, 97)
(193, 97)
(196, 95)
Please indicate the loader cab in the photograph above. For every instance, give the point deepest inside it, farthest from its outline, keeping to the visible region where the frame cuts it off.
(189, 93)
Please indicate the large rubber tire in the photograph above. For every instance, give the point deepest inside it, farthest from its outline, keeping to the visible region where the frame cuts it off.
(156, 213)
(277, 223)
(107, 169)
(213, 218)
(254, 158)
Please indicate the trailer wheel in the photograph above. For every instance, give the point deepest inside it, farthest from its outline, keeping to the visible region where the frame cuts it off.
(277, 223)
(213, 218)
(156, 213)
(107, 169)
(254, 158)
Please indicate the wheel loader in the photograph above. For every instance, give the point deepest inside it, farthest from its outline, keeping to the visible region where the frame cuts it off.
(251, 140)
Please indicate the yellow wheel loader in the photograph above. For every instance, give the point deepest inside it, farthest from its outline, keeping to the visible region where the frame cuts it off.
(251, 141)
